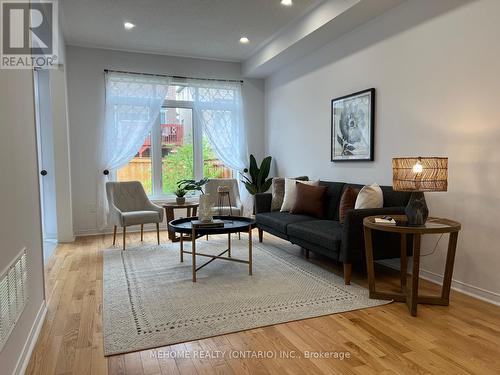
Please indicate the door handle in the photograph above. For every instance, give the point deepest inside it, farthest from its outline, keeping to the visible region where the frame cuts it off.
(43, 172)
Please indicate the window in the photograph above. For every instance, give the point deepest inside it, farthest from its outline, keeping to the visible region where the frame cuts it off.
(175, 149)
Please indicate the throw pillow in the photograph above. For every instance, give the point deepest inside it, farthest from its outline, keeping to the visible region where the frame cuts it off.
(370, 196)
(291, 192)
(310, 200)
(347, 201)
(278, 191)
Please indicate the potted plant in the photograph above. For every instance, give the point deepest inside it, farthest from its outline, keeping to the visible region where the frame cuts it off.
(257, 180)
(180, 194)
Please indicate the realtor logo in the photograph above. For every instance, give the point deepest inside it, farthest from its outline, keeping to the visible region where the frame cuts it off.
(29, 34)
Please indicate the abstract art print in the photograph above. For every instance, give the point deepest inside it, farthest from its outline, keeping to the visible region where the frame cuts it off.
(353, 126)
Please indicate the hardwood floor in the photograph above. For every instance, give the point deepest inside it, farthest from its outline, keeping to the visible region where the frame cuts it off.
(463, 338)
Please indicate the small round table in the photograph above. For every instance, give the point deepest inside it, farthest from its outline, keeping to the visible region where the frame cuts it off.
(191, 208)
(232, 224)
(410, 295)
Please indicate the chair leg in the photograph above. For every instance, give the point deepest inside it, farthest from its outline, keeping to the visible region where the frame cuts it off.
(124, 234)
(158, 232)
(261, 235)
(347, 273)
(142, 232)
(114, 235)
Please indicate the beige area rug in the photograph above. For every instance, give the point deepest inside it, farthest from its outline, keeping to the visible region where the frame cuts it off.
(150, 300)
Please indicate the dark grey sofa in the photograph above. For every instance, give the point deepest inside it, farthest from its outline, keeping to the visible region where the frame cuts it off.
(340, 242)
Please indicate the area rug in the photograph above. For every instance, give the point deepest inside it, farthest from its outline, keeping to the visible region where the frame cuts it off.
(150, 300)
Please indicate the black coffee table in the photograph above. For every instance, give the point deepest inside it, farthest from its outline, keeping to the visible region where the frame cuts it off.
(232, 224)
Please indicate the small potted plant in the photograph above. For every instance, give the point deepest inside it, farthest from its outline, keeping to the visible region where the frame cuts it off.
(180, 194)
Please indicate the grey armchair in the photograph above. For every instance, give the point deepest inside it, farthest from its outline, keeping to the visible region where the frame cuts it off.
(129, 205)
(236, 208)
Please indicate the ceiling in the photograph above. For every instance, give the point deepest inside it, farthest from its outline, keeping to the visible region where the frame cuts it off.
(194, 28)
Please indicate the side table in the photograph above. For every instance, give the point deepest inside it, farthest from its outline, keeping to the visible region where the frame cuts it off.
(410, 294)
(191, 208)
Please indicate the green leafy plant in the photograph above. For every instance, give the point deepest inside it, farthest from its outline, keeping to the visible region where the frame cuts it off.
(257, 180)
(180, 192)
(192, 185)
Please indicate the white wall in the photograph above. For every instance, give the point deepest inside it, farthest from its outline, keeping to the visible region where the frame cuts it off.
(20, 204)
(435, 66)
(85, 68)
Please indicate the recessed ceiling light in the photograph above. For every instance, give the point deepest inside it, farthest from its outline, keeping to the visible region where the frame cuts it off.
(244, 40)
(287, 3)
(128, 25)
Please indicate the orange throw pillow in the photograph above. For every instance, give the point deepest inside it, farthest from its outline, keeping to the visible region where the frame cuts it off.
(310, 200)
(347, 202)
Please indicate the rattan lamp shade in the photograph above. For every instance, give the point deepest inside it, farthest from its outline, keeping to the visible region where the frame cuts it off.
(431, 174)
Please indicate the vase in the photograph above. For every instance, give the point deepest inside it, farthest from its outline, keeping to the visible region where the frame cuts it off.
(180, 200)
(205, 208)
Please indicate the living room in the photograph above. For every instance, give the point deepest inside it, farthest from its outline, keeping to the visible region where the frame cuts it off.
(311, 194)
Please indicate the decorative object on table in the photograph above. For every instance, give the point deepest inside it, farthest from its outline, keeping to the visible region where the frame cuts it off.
(411, 296)
(291, 192)
(205, 205)
(353, 126)
(223, 193)
(258, 181)
(191, 210)
(215, 223)
(129, 205)
(205, 209)
(278, 191)
(310, 201)
(419, 174)
(370, 196)
(180, 196)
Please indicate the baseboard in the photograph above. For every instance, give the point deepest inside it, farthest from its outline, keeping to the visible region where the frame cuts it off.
(459, 286)
(29, 345)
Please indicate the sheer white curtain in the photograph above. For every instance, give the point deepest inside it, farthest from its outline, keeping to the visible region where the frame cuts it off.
(218, 107)
(133, 104)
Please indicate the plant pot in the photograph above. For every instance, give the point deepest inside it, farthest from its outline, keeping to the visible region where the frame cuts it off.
(180, 200)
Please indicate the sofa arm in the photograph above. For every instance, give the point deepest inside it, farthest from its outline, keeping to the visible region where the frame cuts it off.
(386, 245)
(263, 202)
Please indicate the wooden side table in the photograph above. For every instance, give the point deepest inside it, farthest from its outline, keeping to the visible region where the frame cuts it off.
(191, 208)
(410, 294)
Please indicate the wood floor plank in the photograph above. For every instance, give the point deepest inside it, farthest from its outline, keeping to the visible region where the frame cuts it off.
(463, 338)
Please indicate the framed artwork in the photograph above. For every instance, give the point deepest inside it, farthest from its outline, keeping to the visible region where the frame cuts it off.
(353, 127)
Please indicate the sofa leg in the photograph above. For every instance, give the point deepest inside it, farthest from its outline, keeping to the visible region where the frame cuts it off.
(347, 273)
(307, 253)
(261, 234)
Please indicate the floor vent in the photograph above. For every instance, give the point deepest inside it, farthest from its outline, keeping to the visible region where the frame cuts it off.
(13, 295)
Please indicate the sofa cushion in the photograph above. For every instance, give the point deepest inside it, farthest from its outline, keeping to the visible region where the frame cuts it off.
(347, 202)
(370, 196)
(325, 233)
(332, 198)
(309, 201)
(280, 220)
(278, 191)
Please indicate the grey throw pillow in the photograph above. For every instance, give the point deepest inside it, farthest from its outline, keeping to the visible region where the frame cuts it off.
(278, 191)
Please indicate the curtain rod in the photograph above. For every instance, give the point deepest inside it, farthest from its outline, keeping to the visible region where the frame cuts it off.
(178, 77)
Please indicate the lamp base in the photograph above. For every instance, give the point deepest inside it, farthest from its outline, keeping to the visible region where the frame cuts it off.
(416, 211)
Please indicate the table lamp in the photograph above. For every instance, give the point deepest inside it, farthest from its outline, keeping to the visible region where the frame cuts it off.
(419, 174)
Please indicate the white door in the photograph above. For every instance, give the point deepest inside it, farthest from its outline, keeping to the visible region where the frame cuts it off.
(43, 110)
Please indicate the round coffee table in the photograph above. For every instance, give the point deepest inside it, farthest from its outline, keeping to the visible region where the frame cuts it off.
(232, 224)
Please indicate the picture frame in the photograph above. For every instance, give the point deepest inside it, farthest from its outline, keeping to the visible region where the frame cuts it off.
(353, 127)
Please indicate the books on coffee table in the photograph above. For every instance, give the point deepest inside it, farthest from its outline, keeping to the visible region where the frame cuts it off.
(216, 223)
